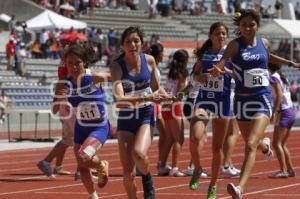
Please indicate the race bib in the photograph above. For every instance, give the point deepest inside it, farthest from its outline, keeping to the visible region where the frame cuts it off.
(256, 77)
(214, 84)
(88, 111)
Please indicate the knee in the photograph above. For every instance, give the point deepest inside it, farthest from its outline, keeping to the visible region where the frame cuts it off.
(276, 144)
(252, 144)
(138, 155)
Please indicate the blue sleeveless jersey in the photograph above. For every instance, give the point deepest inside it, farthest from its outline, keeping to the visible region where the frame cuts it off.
(87, 99)
(215, 87)
(131, 119)
(138, 85)
(250, 68)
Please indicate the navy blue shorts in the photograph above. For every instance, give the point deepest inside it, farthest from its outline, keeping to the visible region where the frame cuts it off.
(246, 107)
(100, 132)
(132, 120)
(219, 107)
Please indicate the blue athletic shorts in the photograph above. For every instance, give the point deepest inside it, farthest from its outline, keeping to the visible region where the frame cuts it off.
(219, 106)
(100, 132)
(132, 120)
(246, 107)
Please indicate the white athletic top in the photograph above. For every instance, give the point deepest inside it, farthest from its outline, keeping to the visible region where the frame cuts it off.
(286, 101)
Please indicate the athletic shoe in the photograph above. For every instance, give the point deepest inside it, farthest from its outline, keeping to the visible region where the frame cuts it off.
(194, 182)
(229, 172)
(45, 167)
(176, 173)
(269, 152)
(291, 173)
(163, 171)
(279, 174)
(103, 174)
(234, 191)
(60, 171)
(77, 176)
(238, 171)
(211, 194)
(149, 191)
(190, 170)
(93, 197)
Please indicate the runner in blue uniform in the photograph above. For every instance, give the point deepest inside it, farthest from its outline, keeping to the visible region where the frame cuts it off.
(134, 78)
(249, 55)
(87, 99)
(213, 100)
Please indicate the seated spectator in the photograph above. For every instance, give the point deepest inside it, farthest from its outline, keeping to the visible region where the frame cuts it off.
(36, 49)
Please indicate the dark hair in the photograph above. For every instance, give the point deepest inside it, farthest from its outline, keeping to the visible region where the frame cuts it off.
(276, 68)
(84, 51)
(130, 30)
(177, 65)
(156, 49)
(208, 43)
(242, 14)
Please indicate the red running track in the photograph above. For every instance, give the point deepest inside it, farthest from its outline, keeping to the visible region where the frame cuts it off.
(20, 178)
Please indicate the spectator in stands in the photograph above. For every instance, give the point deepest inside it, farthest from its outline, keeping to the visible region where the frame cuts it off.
(111, 35)
(36, 49)
(100, 38)
(10, 53)
(43, 41)
(164, 6)
(297, 10)
(21, 54)
(278, 7)
(4, 103)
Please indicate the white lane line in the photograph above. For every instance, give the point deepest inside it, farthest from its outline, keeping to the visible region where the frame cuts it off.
(266, 190)
(49, 188)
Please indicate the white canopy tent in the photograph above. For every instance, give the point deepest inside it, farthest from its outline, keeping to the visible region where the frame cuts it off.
(286, 28)
(50, 20)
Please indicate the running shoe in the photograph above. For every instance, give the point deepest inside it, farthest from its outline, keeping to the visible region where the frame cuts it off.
(211, 194)
(190, 170)
(269, 153)
(194, 182)
(228, 172)
(291, 173)
(236, 170)
(176, 173)
(93, 197)
(163, 171)
(77, 176)
(60, 171)
(103, 174)
(279, 174)
(149, 191)
(45, 167)
(234, 191)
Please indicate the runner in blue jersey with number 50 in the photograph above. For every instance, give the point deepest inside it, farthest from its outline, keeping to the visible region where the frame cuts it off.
(249, 54)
